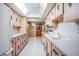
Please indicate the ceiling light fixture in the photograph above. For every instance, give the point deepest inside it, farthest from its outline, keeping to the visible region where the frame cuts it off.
(21, 7)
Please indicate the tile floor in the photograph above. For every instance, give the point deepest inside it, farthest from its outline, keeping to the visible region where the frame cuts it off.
(33, 48)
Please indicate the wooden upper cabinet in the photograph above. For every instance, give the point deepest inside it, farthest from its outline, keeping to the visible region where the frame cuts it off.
(53, 13)
(71, 12)
(12, 18)
(59, 9)
(52, 16)
(49, 48)
(56, 15)
(15, 19)
(49, 20)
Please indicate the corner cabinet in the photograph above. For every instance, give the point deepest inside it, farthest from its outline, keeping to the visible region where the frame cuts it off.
(71, 13)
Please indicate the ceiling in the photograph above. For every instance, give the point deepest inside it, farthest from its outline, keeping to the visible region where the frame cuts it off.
(35, 9)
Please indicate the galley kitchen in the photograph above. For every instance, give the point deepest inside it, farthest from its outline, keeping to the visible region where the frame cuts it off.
(39, 29)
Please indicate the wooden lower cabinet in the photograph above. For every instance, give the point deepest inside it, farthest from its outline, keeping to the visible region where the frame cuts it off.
(18, 47)
(25, 39)
(18, 44)
(55, 51)
(22, 42)
(50, 48)
(13, 46)
(46, 47)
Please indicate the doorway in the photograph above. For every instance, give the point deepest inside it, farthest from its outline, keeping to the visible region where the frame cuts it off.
(38, 29)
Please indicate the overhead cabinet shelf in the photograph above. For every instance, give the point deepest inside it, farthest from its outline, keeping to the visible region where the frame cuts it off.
(56, 14)
(63, 12)
(17, 26)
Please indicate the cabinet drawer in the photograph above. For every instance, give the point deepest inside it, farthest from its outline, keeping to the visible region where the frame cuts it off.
(49, 48)
(55, 51)
(18, 47)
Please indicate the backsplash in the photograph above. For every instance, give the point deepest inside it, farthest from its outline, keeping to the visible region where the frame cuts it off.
(14, 31)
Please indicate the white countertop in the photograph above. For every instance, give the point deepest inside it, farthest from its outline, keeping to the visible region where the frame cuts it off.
(66, 45)
(17, 35)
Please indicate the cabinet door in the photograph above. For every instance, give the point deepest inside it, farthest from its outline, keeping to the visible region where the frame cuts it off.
(12, 22)
(50, 19)
(46, 23)
(71, 11)
(18, 47)
(49, 48)
(55, 51)
(53, 12)
(16, 19)
(46, 46)
(25, 39)
(47, 20)
(13, 17)
(13, 46)
(21, 42)
(59, 9)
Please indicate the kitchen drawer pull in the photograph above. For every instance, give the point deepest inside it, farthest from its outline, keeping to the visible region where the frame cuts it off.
(18, 46)
(17, 38)
(55, 51)
(22, 43)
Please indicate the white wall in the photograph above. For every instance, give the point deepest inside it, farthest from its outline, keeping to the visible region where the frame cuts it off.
(69, 30)
(71, 13)
(5, 32)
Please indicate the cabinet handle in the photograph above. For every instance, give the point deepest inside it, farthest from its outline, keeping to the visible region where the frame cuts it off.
(55, 51)
(18, 46)
(17, 38)
(47, 54)
(22, 43)
(69, 4)
(11, 17)
(16, 19)
(58, 7)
